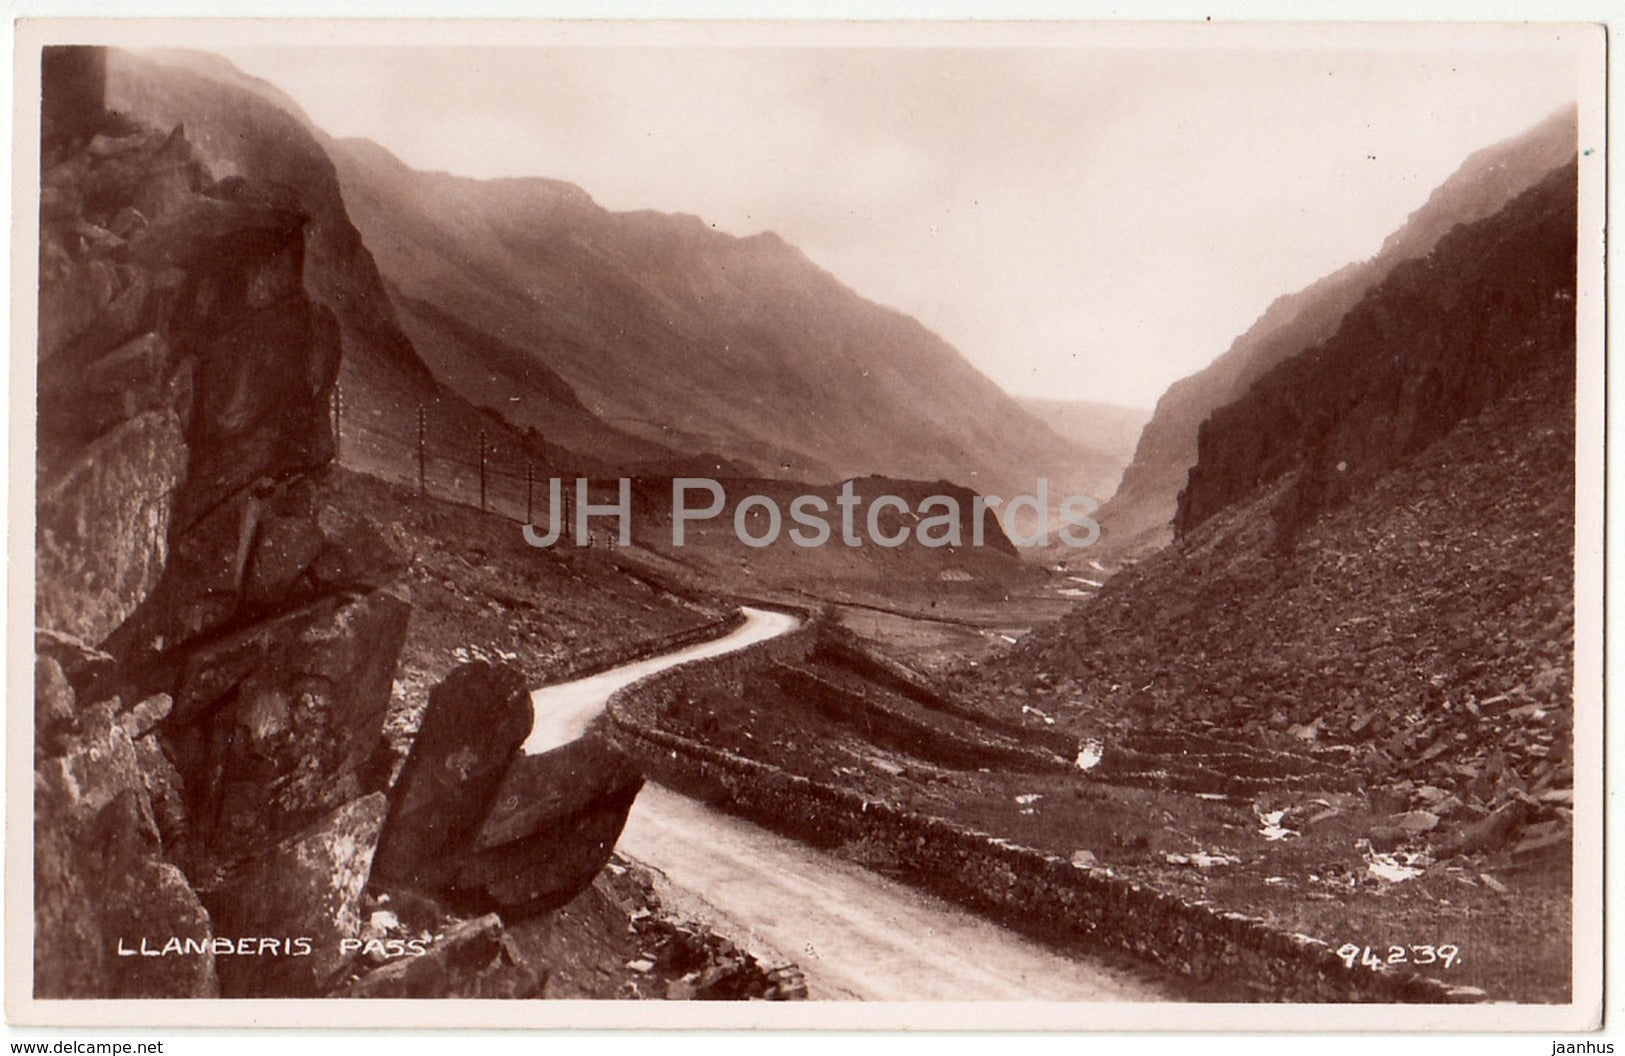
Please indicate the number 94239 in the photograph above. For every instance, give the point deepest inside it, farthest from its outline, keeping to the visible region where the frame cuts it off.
(1420, 956)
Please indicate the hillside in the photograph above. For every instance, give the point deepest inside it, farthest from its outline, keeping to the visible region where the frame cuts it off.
(244, 128)
(661, 324)
(1493, 304)
(595, 340)
(241, 647)
(1140, 516)
(1437, 570)
(1375, 568)
(1105, 429)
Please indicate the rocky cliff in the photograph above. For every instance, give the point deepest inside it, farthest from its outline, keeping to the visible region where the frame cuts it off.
(1435, 342)
(1140, 515)
(1376, 550)
(215, 653)
(240, 127)
(215, 644)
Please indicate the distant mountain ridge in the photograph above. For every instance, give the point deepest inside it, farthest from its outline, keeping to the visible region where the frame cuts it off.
(1108, 429)
(676, 332)
(241, 127)
(1139, 518)
(1378, 537)
(631, 341)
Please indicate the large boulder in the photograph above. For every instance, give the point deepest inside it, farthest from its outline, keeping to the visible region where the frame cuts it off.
(355, 553)
(166, 792)
(81, 400)
(541, 792)
(278, 723)
(552, 827)
(267, 550)
(547, 869)
(282, 553)
(470, 736)
(286, 911)
(202, 583)
(54, 702)
(262, 402)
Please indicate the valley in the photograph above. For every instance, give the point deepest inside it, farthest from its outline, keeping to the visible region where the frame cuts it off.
(804, 718)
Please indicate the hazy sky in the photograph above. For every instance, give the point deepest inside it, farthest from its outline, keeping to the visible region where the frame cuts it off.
(1085, 222)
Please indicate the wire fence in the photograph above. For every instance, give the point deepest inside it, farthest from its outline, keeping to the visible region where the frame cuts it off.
(425, 448)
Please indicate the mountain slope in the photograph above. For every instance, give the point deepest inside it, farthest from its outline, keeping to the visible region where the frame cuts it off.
(674, 331)
(1487, 308)
(243, 127)
(1140, 516)
(1105, 429)
(1417, 603)
(236, 132)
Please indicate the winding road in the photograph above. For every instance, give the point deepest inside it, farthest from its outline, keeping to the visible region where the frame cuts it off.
(564, 710)
(854, 933)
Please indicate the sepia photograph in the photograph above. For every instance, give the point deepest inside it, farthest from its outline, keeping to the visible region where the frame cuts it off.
(576, 524)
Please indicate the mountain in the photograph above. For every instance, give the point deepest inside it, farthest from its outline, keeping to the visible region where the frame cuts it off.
(675, 332)
(236, 132)
(1105, 429)
(1377, 547)
(1440, 338)
(635, 341)
(1139, 517)
(1373, 583)
(243, 128)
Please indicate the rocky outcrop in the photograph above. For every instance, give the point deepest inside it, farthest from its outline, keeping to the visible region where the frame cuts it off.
(296, 715)
(472, 729)
(553, 824)
(105, 895)
(1433, 344)
(247, 133)
(306, 888)
(121, 484)
(477, 821)
(1139, 517)
(215, 651)
(239, 132)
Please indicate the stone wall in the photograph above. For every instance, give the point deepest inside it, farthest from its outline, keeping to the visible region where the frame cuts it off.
(1031, 891)
(591, 662)
(841, 646)
(883, 722)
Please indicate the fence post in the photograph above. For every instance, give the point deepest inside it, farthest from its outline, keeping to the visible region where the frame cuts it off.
(482, 471)
(423, 455)
(335, 410)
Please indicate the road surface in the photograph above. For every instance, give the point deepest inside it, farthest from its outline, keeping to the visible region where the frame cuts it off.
(564, 710)
(854, 933)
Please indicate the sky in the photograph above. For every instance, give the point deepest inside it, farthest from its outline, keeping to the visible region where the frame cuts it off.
(1080, 221)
